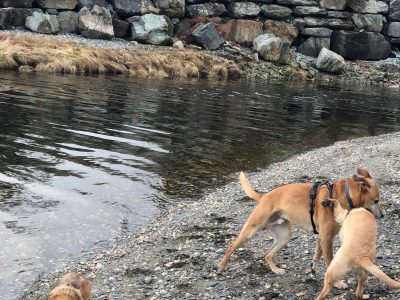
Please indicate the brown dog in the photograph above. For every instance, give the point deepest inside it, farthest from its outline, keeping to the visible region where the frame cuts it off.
(288, 204)
(358, 236)
(71, 287)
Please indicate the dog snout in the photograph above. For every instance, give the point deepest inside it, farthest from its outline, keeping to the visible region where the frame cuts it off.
(377, 212)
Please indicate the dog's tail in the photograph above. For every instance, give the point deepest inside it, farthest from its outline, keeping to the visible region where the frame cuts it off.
(368, 265)
(248, 189)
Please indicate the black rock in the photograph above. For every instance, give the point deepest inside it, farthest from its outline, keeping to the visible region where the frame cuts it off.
(207, 36)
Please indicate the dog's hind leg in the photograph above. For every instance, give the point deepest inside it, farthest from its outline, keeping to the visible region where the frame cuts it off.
(337, 269)
(317, 255)
(282, 235)
(361, 277)
(254, 223)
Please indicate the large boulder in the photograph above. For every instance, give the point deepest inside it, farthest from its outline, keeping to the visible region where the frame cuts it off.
(171, 8)
(305, 11)
(152, 29)
(121, 28)
(90, 3)
(7, 16)
(243, 10)
(128, 8)
(19, 16)
(68, 21)
(242, 32)
(281, 29)
(96, 23)
(298, 2)
(57, 4)
(328, 22)
(313, 45)
(330, 61)
(368, 22)
(273, 11)
(42, 23)
(206, 10)
(317, 32)
(368, 7)
(17, 3)
(394, 11)
(207, 36)
(360, 45)
(333, 4)
(394, 29)
(273, 48)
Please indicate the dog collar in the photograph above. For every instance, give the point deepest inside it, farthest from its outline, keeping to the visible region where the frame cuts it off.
(348, 198)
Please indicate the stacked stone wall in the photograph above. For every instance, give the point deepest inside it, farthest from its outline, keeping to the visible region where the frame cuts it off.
(355, 29)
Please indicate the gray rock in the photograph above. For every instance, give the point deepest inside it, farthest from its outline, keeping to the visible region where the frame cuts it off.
(42, 23)
(96, 23)
(276, 12)
(394, 29)
(153, 29)
(90, 3)
(298, 2)
(57, 4)
(206, 10)
(330, 61)
(317, 32)
(368, 22)
(244, 10)
(183, 28)
(207, 36)
(313, 45)
(299, 23)
(128, 8)
(51, 11)
(368, 7)
(330, 23)
(121, 28)
(68, 21)
(17, 3)
(360, 45)
(394, 11)
(273, 48)
(171, 8)
(304, 11)
(333, 4)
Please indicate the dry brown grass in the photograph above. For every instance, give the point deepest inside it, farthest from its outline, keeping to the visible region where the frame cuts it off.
(46, 55)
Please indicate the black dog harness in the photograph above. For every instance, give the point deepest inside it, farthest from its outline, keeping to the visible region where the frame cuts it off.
(313, 195)
(348, 198)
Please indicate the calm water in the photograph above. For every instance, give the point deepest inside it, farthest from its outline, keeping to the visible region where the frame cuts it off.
(84, 159)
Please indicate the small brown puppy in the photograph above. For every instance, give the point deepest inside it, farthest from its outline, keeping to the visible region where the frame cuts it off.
(290, 203)
(71, 287)
(358, 236)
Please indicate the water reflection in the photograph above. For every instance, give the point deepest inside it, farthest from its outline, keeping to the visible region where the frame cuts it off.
(83, 159)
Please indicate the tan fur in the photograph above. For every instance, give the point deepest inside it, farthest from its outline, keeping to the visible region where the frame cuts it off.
(71, 287)
(358, 236)
(288, 204)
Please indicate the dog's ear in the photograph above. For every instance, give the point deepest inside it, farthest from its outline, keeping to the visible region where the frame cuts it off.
(363, 172)
(362, 182)
(328, 203)
(85, 288)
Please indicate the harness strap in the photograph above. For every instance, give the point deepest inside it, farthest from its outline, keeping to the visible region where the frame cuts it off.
(348, 198)
(313, 195)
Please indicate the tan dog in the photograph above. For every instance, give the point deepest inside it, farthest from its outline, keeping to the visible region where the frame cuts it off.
(288, 204)
(71, 287)
(358, 236)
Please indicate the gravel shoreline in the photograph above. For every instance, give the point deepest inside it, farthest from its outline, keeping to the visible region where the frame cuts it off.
(176, 255)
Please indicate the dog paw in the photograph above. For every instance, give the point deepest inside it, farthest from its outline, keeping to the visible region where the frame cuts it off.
(340, 285)
(328, 203)
(221, 268)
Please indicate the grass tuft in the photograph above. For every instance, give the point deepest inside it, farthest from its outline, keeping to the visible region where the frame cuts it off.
(24, 52)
